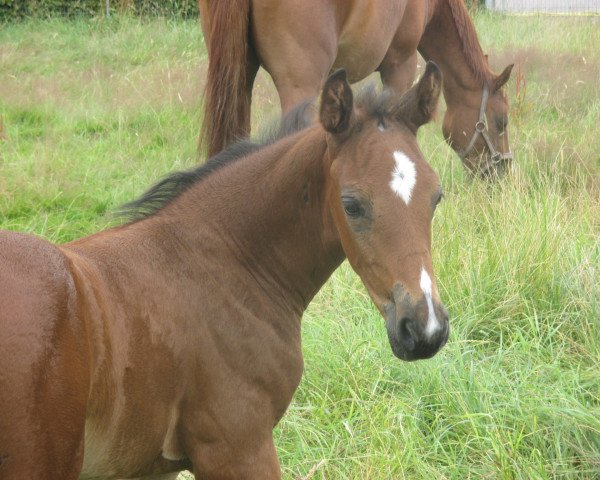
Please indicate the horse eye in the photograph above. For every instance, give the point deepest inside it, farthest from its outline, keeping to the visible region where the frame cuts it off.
(438, 199)
(352, 207)
(501, 124)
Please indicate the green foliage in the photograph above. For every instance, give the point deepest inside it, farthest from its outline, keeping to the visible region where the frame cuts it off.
(167, 8)
(14, 9)
(10, 9)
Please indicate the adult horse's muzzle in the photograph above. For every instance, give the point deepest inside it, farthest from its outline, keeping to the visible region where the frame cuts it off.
(416, 329)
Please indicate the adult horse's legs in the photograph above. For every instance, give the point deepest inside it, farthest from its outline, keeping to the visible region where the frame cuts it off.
(166, 476)
(252, 66)
(399, 74)
(296, 46)
(399, 65)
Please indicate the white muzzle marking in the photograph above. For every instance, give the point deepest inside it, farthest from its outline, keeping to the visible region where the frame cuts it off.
(433, 324)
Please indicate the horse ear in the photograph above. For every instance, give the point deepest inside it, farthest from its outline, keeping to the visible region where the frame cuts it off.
(501, 79)
(418, 105)
(336, 112)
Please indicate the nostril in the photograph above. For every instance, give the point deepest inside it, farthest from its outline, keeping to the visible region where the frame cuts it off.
(407, 334)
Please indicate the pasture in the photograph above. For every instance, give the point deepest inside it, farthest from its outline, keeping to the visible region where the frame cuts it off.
(94, 111)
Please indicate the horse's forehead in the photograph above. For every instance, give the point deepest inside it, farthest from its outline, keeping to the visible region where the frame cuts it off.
(392, 168)
(380, 141)
(403, 176)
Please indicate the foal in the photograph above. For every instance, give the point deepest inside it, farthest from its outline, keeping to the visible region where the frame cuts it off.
(173, 342)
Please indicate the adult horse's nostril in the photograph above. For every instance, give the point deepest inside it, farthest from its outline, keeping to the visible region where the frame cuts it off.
(407, 333)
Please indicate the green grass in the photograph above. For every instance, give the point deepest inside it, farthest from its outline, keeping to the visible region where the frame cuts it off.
(94, 111)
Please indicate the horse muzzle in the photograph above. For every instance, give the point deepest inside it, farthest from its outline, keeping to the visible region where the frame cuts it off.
(496, 166)
(416, 330)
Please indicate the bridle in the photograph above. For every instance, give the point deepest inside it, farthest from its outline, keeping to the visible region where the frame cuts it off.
(496, 157)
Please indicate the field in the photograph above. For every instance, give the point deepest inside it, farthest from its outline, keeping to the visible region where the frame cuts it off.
(94, 111)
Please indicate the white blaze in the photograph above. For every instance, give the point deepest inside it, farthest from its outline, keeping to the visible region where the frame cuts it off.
(404, 176)
(433, 324)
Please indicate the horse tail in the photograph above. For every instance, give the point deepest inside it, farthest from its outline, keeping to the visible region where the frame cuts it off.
(226, 115)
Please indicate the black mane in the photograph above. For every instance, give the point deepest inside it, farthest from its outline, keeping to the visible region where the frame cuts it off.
(174, 184)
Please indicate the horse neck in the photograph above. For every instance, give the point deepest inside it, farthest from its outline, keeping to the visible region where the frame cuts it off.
(451, 41)
(267, 213)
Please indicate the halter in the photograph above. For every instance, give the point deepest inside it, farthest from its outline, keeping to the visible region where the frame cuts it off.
(496, 157)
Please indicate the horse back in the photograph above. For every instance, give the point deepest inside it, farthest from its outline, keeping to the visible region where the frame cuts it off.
(44, 362)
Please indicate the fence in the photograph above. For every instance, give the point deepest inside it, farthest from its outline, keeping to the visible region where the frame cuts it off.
(545, 6)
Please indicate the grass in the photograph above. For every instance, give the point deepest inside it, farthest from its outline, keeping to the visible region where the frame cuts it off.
(94, 111)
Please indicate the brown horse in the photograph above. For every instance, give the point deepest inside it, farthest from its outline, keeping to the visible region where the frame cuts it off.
(173, 342)
(300, 42)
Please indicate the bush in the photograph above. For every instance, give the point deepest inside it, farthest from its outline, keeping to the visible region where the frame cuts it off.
(14, 9)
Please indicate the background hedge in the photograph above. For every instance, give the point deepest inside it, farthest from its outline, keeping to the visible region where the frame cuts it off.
(15, 9)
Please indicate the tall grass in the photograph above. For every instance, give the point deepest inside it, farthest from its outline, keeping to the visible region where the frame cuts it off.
(94, 111)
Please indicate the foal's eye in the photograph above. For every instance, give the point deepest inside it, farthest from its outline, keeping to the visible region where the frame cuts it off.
(352, 207)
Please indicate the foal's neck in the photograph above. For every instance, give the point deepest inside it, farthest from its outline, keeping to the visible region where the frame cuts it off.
(268, 213)
(451, 41)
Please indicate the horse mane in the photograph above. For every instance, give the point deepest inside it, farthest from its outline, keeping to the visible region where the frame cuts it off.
(173, 185)
(469, 41)
(379, 104)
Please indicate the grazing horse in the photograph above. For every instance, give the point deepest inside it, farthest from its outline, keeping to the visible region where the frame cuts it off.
(300, 42)
(173, 341)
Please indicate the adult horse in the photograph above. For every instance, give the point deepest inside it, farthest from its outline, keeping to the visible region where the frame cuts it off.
(299, 42)
(173, 342)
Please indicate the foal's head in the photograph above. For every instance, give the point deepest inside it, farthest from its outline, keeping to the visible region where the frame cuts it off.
(382, 194)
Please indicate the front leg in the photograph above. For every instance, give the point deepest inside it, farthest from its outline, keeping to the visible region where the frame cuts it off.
(230, 435)
(254, 459)
(398, 71)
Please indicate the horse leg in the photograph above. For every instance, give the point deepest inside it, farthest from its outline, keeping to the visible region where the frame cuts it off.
(252, 66)
(398, 72)
(166, 476)
(249, 455)
(297, 48)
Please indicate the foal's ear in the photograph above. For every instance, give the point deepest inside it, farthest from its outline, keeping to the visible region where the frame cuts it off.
(501, 79)
(418, 105)
(336, 112)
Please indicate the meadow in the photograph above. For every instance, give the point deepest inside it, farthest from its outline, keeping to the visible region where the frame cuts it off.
(94, 111)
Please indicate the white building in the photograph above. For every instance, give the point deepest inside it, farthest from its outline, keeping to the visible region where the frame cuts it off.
(544, 6)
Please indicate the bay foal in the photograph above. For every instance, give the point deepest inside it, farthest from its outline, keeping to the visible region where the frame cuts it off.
(173, 342)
